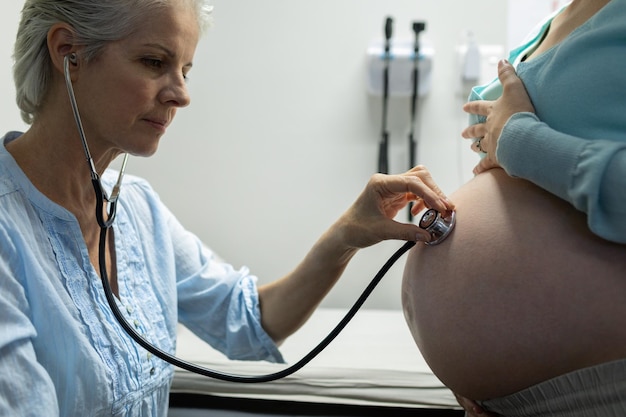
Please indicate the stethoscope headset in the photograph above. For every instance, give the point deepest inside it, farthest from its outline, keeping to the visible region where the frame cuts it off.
(432, 221)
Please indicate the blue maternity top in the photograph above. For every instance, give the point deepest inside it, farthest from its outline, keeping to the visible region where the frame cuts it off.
(575, 145)
(61, 351)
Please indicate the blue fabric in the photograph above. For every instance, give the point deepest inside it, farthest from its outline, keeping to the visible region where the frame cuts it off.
(575, 146)
(61, 351)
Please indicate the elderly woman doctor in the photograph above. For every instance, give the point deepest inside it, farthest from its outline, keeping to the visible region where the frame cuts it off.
(62, 353)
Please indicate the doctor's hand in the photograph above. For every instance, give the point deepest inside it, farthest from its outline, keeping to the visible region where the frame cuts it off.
(514, 99)
(370, 219)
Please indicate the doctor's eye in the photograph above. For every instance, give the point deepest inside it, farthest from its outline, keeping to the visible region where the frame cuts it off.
(152, 63)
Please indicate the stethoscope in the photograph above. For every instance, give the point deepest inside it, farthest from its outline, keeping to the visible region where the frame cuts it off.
(437, 225)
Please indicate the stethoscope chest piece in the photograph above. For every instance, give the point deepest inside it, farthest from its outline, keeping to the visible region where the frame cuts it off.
(437, 225)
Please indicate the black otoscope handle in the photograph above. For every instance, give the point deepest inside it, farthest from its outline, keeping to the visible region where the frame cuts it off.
(388, 29)
(383, 157)
(417, 28)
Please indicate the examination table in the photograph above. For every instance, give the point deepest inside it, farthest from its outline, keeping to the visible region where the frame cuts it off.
(373, 368)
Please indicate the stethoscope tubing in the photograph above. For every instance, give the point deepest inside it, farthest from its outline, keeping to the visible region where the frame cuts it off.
(101, 196)
(106, 224)
(200, 370)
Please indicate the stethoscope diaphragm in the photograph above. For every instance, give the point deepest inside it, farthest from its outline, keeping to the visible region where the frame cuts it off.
(437, 225)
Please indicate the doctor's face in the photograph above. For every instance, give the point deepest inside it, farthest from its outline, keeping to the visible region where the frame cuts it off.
(130, 93)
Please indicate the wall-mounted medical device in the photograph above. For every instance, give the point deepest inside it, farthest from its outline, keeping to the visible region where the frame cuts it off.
(401, 59)
(477, 64)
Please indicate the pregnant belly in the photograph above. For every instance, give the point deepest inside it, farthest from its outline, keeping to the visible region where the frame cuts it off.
(520, 292)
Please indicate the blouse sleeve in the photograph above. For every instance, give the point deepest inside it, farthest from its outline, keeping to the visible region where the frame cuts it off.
(26, 389)
(211, 298)
(218, 302)
(590, 174)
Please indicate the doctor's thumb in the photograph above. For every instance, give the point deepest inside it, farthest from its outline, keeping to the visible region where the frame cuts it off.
(415, 233)
(409, 232)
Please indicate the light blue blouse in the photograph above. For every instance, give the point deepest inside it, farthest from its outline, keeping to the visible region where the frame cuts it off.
(575, 145)
(61, 351)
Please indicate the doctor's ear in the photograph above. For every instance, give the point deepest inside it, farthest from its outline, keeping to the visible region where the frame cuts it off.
(61, 44)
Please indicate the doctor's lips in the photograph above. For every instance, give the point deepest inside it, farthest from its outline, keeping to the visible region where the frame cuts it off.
(159, 124)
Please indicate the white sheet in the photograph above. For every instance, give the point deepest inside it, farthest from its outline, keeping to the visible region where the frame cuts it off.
(374, 362)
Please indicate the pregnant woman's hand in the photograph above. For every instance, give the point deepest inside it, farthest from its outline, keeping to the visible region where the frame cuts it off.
(514, 99)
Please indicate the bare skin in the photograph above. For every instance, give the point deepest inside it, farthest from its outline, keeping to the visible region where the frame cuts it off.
(520, 292)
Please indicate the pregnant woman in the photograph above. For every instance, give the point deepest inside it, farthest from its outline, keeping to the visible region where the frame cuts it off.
(523, 307)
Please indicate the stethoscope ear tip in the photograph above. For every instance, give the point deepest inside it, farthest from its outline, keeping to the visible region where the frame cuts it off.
(72, 58)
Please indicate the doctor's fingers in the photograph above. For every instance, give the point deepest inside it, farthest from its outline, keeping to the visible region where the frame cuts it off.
(405, 231)
(419, 182)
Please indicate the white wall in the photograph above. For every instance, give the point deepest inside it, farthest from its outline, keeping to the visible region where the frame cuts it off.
(522, 14)
(9, 19)
(281, 135)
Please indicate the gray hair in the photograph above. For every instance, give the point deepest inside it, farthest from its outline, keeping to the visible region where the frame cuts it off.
(96, 23)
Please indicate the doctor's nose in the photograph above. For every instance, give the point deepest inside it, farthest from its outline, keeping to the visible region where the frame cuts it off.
(176, 92)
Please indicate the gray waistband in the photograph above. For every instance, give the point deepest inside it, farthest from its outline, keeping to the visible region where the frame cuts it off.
(597, 391)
